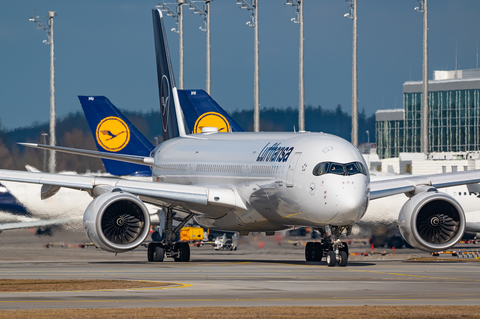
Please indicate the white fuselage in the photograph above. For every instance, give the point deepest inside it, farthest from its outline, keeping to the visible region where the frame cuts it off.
(272, 175)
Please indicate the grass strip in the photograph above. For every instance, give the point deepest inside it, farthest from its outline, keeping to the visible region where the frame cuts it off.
(360, 312)
(39, 285)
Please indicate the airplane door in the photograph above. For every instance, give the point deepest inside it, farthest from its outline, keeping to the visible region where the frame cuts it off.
(291, 169)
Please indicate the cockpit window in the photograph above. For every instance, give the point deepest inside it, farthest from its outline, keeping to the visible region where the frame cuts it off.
(336, 168)
(339, 169)
(320, 169)
(351, 169)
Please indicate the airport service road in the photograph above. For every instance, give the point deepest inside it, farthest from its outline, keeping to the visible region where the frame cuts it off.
(252, 283)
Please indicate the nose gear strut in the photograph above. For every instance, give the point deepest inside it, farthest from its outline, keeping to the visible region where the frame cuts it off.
(330, 246)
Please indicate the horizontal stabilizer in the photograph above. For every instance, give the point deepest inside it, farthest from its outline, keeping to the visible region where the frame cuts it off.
(116, 157)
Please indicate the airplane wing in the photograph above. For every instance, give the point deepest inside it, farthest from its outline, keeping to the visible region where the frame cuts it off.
(35, 223)
(166, 193)
(384, 188)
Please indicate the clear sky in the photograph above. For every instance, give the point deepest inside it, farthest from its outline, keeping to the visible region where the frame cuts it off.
(105, 47)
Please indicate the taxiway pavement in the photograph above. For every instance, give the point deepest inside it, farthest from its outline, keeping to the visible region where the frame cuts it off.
(255, 278)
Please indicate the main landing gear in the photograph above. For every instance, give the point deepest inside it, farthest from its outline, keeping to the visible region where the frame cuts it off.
(330, 247)
(179, 251)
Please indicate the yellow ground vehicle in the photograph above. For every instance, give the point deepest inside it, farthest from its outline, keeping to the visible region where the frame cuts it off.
(191, 234)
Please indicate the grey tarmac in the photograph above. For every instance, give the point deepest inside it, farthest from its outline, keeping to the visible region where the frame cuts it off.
(275, 276)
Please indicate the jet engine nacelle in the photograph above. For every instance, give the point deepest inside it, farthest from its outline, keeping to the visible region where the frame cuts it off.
(116, 222)
(432, 221)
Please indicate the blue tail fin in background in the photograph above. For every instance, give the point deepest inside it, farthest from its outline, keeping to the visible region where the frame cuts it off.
(172, 118)
(113, 132)
(10, 204)
(201, 110)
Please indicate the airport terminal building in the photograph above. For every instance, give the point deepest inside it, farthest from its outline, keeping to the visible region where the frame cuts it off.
(454, 116)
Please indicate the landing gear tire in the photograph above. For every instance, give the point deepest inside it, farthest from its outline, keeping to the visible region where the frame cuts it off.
(309, 251)
(159, 254)
(318, 251)
(313, 251)
(343, 259)
(182, 251)
(344, 248)
(155, 252)
(331, 259)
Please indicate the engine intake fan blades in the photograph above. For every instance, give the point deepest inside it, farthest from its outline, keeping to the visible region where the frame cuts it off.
(122, 222)
(438, 222)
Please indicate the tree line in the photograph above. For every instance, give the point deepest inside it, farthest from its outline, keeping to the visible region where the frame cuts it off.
(73, 131)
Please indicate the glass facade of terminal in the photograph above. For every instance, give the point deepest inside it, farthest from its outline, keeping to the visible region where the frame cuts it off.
(454, 124)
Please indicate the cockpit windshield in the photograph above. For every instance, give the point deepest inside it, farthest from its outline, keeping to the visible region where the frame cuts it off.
(339, 169)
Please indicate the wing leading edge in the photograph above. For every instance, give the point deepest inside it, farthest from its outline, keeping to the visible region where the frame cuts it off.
(167, 193)
(385, 188)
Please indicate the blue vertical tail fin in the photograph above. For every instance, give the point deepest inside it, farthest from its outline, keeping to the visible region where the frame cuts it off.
(201, 110)
(172, 117)
(113, 132)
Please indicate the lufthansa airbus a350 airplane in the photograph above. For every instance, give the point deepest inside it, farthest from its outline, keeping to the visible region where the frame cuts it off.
(247, 182)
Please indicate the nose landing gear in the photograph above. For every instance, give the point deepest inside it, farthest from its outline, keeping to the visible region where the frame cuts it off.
(331, 247)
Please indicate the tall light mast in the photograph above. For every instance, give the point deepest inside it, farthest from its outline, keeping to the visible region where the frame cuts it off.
(49, 41)
(353, 15)
(253, 8)
(301, 87)
(178, 14)
(205, 14)
(422, 8)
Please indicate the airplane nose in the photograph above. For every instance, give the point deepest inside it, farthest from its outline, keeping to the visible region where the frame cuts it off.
(353, 200)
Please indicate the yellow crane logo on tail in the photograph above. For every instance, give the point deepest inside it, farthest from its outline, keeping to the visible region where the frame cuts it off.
(212, 119)
(112, 134)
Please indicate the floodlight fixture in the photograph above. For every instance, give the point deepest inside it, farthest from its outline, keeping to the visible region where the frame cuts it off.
(351, 13)
(250, 7)
(297, 5)
(171, 13)
(421, 6)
